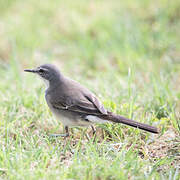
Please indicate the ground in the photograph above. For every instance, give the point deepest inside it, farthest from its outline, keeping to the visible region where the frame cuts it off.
(126, 52)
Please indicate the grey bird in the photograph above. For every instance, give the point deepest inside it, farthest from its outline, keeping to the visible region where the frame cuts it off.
(75, 105)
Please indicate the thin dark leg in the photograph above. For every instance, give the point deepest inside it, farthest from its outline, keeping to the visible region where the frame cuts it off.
(61, 135)
(94, 133)
(67, 130)
(86, 134)
(93, 130)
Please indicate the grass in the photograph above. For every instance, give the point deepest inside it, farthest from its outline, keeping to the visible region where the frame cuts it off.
(126, 52)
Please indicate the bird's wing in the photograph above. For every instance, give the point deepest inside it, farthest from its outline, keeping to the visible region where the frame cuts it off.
(89, 105)
(91, 98)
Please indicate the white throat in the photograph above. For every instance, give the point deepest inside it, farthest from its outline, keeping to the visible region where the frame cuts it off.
(46, 82)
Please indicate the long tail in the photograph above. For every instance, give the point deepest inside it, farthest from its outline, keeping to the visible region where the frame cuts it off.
(120, 119)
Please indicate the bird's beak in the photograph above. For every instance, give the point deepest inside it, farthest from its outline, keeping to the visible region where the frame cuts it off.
(31, 70)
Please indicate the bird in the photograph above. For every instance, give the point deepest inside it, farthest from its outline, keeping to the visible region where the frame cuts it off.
(75, 105)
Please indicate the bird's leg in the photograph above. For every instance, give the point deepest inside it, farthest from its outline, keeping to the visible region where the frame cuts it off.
(61, 135)
(87, 135)
(93, 130)
(94, 133)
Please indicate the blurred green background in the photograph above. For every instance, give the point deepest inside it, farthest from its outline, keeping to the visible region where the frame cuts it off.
(126, 52)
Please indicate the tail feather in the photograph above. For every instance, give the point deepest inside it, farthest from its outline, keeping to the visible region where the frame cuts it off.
(120, 119)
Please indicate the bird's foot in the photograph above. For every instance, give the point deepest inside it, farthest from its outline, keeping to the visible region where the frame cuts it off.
(61, 135)
(58, 135)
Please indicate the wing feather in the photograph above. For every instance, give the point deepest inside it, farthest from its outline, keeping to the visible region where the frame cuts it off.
(90, 105)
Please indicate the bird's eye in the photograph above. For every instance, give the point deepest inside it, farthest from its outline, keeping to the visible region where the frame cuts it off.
(41, 70)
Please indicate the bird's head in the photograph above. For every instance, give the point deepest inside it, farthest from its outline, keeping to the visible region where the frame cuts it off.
(47, 72)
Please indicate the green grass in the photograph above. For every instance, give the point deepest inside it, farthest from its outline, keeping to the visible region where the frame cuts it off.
(126, 52)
